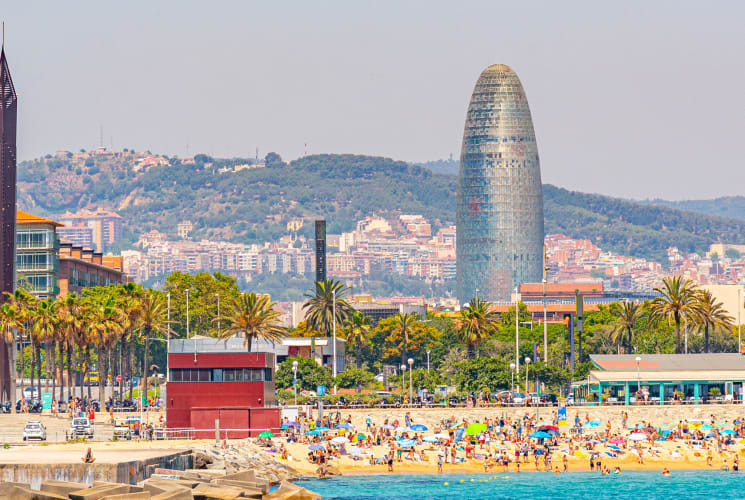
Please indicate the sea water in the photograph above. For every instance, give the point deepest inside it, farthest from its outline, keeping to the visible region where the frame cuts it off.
(636, 485)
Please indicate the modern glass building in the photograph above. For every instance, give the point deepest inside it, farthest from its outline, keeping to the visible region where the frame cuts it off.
(37, 254)
(500, 200)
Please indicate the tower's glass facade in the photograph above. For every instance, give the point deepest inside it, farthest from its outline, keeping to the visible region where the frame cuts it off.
(500, 201)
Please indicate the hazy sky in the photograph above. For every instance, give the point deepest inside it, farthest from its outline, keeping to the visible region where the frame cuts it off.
(634, 99)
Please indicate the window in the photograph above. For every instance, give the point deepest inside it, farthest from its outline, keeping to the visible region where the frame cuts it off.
(221, 375)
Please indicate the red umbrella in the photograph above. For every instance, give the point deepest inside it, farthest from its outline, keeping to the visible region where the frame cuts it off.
(549, 427)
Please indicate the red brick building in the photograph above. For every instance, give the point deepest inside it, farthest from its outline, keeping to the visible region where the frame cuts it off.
(220, 381)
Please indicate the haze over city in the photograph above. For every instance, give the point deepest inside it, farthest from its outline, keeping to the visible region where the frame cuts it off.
(631, 100)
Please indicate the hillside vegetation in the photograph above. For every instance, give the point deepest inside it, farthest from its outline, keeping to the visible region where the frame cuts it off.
(726, 206)
(253, 205)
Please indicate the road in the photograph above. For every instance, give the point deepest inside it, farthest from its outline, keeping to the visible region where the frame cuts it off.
(11, 426)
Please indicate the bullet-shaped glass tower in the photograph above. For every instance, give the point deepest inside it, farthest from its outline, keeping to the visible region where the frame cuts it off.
(500, 201)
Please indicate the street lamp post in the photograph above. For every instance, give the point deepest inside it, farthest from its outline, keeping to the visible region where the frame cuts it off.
(294, 379)
(512, 371)
(403, 383)
(333, 307)
(517, 330)
(188, 291)
(527, 387)
(218, 314)
(411, 385)
(428, 351)
(168, 341)
(638, 378)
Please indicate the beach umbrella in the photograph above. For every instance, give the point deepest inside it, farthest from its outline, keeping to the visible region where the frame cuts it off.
(638, 436)
(550, 431)
(596, 422)
(356, 449)
(345, 425)
(313, 433)
(548, 428)
(736, 422)
(284, 427)
(616, 441)
(266, 434)
(322, 428)
(406, 443)
(728, 431)
(292, 424)
(442, 435)
(540, 435)
(589, 424)
(614, 447)
(706, 427)
(339, 440)
(316, 447)
(430, 439)
(632, 426)
(419, 428)
(720, 424)
(387, 426)
(475, 428)
(358, 437)
(401, 429)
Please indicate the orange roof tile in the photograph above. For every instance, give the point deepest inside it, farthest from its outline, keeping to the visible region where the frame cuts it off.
(27, 218)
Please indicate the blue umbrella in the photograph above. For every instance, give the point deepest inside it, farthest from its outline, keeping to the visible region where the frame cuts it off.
(728, 431)
(292, 424)
(406, 443)
(322, 428)
(345, 425)
(312, 433)
(614, 447)
(540, 435)
(316, 447)
(430, 439)
(418, 427)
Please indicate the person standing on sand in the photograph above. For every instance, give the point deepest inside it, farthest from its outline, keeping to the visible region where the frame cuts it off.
(566, 464)
(709, 458)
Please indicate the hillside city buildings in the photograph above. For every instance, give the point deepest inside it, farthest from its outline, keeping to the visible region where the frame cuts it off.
(500, 198)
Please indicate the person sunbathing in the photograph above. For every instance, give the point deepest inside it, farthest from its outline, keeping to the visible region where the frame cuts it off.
(88, 458)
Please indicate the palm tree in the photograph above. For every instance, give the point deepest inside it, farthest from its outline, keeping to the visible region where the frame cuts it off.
(70, 321)
(711, 313)
(627, 313)
(42, 331)
(404, 323)
(131, 297)
(475, 323)
(109, 324)
(678, 298)
(22, 300)
(10, 320)
(252, 316)
(320, 306)
(152, 319)
(357, 327)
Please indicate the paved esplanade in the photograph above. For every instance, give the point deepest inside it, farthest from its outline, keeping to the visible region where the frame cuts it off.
(500, 199)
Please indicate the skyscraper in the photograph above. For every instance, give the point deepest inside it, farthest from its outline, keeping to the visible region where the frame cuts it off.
(500, 200)
(8, 102)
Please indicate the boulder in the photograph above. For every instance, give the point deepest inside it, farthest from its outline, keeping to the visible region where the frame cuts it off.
(205, 491)
(61, 487)
(99, 492)
(21, 493)
(178, 494)
(143, 495)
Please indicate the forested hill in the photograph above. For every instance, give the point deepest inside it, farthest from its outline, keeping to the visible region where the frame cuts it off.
(726, 206)
(237, 200)
(631, 228)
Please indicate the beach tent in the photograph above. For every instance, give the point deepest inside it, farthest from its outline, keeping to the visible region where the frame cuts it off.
(638, 436)
(418, 428)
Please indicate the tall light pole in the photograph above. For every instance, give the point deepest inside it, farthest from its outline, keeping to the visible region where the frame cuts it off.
(294, 379)
(527, 387)
(517, 330)
(218, 314)
(188, 291)
(411, 385)
(428, 351)
(168, 338)
(638, 378)
(333, 308)
(545, 326)
(403, 383)
(512, 371)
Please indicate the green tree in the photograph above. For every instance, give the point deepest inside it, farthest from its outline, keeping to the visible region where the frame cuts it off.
(153, 319)
(320, 306)
(710, 314)
(678, 297)
(357, 327)
(309, 374)
(627, 314)
(354, 378)
(483, 374)
(204, 290)
(475, 323)
(252, 316)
